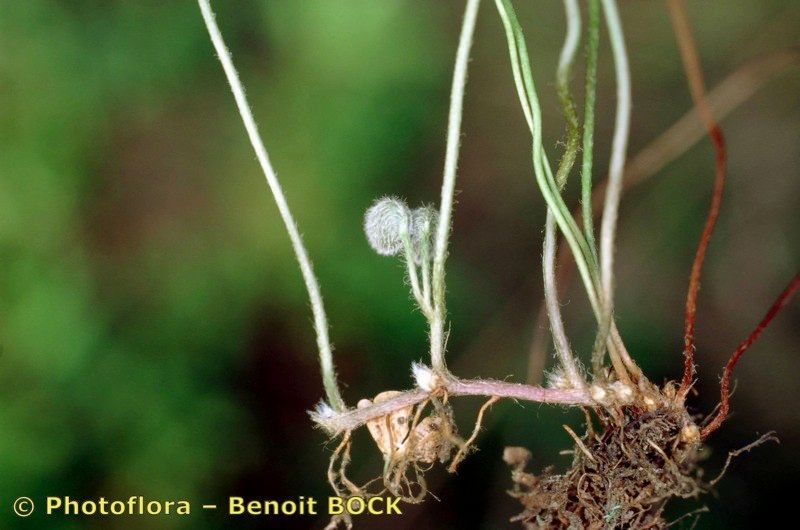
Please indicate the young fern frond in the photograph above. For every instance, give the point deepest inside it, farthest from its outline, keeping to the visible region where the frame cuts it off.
(413, 276)
(425, 220)
(392, 229)
(329, 380)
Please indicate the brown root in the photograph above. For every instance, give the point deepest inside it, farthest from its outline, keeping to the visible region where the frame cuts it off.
(764, 438)
(428, 439)
(411, 440)
(465, 448)
(620, 478)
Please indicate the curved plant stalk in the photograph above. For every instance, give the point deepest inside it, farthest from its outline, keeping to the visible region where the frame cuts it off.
(437, 333)
(521, 69)
(590, 90)
(425, 252)
(723, 99)
(724, 389)
(619, 146)
(560, 340)
(566, 60)
(694, 75)
(520, 65)
(329, 381)
(420, 293)
(568, 51)
(592, 44)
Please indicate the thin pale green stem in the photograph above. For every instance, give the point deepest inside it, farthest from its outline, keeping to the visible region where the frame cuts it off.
(590, 90)
(592, 44)
(619, 147)
(529, 100)
(413, 277)
(560, 341)
(438, 335)
(520, 65)
(567, 58)
(320, 320)
(569, 49)
(425, 254)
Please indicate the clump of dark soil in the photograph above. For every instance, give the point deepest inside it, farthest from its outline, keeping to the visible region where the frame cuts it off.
(621, 476)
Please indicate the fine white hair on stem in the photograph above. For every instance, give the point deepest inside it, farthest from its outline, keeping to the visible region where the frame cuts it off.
(619, 148)
(437, 335)
(560, 341)
(317, 307)
(354, 418)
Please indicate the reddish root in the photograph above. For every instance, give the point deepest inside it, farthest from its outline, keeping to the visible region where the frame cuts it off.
(694, 277)
(697, 265)
(724, 398)
(694, 76)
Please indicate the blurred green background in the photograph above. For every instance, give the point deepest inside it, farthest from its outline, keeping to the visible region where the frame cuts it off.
(155, 331)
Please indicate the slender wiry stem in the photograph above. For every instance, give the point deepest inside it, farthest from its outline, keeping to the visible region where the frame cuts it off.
(448, 185)
(320, 320)
(523, 77)
(413, 277)
(571, 41)
(619, 147)
(352, 419)
(521, 70)
(425, 253)
(723, 99)
(694, 75)
(565, 62)
(560, 341)
(563, 349)
(724, 391)
(592, 44)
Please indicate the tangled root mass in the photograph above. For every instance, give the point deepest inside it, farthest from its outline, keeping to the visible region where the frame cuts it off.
(620, 477)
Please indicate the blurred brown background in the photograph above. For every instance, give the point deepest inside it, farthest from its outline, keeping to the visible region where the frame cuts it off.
(155, 332)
